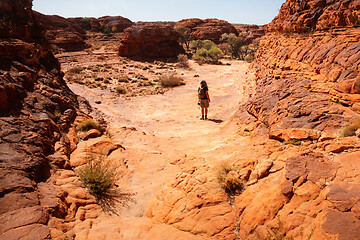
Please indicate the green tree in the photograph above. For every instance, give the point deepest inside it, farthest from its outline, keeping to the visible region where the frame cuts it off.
(235, 45)
(184, 37)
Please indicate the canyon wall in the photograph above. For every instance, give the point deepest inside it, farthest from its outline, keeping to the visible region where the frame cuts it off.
(304, 92)
(33, 138)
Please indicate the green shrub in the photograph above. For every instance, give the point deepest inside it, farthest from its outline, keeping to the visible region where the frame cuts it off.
(233, 43)
(211, 55)
(229, 180)
(198, 44)
(98, 175)
(87, 124)
(105, 29)
(120, 90)
(351, 128)
(171, 81)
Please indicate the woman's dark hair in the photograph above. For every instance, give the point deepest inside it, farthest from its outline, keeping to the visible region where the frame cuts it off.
(203, 83)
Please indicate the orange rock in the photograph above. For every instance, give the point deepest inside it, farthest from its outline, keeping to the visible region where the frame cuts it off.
(296, 134)
(93, 133)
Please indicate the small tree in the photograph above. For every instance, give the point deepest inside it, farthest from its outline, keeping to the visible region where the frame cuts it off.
(184, 38)
(234, 44)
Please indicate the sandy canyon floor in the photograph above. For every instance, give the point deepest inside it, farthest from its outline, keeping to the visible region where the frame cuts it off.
(162, 134)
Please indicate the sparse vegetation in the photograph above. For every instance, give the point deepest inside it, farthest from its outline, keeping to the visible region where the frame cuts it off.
(171, 81)
(351, 128)
(206, 51)
(76, 70)
(229, 179)
(292, 141)
(107, 30)
(57, 114)
(98, 175)
(184, 38)
(87, 124)
(278, 233)
(120, 90)
(236, 47)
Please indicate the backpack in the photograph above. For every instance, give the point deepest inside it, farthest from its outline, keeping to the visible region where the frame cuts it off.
(201, 92)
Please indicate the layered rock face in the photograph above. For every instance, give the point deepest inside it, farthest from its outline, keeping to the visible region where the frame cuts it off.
(62, 33)
(305, 91)
(70, 34)
(31, 91)
(150, 40)
(303, 16)
(308, 80)
(208, 29)
(115, 24)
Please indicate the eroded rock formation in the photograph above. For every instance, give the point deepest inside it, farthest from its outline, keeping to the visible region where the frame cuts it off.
(210, 29)
(31, 91)
(150, 40)
(306, 90)
(304, 16)
(61, 33)
(115, 24)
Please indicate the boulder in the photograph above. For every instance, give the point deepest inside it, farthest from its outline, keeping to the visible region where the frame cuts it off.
(207, 29)
(150, 40)
(115, 24)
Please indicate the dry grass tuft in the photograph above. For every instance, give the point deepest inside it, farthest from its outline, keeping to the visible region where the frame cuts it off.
(87, 124)
(229, 180)
(351, 128)
(120, 90)
(98, 175)
(171, 81)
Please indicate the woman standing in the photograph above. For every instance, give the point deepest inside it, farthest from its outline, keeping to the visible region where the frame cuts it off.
(204, 99)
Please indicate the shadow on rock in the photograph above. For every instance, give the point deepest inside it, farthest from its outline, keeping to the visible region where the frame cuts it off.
(113, 201)
(215, 120)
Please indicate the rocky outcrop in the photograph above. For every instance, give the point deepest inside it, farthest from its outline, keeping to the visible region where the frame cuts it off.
(70, 34)
(304, 16)
(61, 33)
(250, 32)
(305, 91)
(113, 24)
(150, 40)
(31, 92)
(207, 29)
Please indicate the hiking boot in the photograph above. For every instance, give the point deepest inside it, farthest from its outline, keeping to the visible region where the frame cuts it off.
(202, 118)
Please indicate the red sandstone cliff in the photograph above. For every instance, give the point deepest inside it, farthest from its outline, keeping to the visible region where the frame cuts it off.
(115, 24)
(61, 33)
(306, 89)
(210, 29)
(150, 40)
(31, 90)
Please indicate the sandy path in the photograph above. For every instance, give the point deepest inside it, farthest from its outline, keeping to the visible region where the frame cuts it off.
(168, 127)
